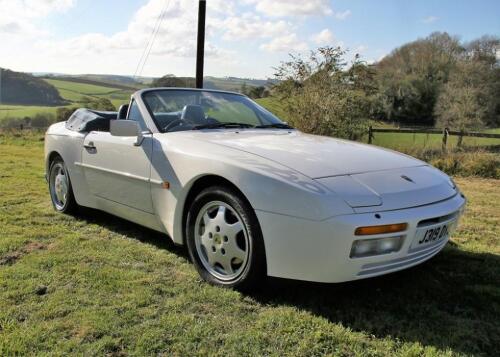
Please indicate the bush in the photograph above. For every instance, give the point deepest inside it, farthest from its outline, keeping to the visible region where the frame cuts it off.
(40, 121)
(324, 97)
(63, 113)
(462, 162)
(481, 164)
(98, 104)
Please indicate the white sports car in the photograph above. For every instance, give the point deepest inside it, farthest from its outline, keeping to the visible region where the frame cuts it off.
(249, 195)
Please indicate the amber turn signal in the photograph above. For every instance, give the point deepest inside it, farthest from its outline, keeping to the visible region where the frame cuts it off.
(387, 228)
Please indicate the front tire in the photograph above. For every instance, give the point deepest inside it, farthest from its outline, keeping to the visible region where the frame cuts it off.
(61, 191)
(224, 239)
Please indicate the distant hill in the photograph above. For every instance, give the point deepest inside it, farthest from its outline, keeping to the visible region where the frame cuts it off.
(116, 82)
(129, 82)
(227, 83)
(235, 83)
(26, 89)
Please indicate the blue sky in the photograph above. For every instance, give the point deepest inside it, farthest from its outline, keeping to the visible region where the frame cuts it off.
(245, 38)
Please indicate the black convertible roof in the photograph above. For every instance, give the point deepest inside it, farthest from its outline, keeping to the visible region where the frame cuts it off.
(85, 120)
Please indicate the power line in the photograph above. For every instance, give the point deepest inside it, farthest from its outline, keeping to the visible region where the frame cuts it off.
(154, 38)
(148, 42)
(149, 45)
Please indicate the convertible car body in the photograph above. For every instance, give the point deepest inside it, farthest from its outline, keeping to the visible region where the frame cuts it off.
(248, 194)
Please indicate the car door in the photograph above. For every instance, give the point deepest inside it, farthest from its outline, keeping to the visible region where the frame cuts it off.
(118, 170)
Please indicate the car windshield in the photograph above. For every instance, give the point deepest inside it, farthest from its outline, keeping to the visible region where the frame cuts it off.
(177, 110)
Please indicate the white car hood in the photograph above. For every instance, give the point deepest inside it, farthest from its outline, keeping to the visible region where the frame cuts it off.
(366, 177)
(311, 155)
(392, 189)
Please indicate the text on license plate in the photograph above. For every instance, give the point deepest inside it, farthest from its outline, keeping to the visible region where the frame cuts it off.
(434, 234)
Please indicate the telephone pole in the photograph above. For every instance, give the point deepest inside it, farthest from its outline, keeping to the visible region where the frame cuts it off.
(200, 52)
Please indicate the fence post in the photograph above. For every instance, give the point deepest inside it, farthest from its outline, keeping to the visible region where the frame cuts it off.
(460, 138)
(370, 134)
(445, 139)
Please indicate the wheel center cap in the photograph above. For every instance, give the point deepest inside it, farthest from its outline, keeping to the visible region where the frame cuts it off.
(217, 239)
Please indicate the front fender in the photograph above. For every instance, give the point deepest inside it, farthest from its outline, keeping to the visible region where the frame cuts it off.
(267, 185)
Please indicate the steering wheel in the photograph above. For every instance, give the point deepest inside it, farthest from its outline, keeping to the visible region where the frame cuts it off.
(173, 124)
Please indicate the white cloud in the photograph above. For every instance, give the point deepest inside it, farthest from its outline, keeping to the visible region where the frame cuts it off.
(325, 37)
(20, 17)
(381, 57)
(34, 48)
(176, 36)
(285, 43)
(342, 15)
(32, 8)
(277, 8)
(360, 49)
(250, 26)
(220, 6)
(430, 19)
(28, 43)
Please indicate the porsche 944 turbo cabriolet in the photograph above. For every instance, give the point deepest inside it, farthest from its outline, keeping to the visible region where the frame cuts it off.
(246, 193)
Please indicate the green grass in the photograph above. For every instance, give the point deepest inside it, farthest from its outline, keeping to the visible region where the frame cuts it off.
(493, 131)
(403, 141)
(395, 141)
(94, 284)
(71, 91)
(275, 106)
(74, 91)
(82, 88)
(21, 111)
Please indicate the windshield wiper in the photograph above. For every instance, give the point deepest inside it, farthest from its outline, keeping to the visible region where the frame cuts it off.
(274, 125)
(222, 125)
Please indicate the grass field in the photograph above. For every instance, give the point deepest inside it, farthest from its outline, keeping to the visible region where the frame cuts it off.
(74, 91)
(394, 140)
(275, 106)
(71, 91)
(427, 141)
(93, 284)
(21, 111)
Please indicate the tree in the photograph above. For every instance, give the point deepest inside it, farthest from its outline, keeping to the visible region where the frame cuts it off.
(42, 120)
(98, 103)
(25, 89)
(244, 88)
(411, 77)
(469, 98)
(258, 92)
(63, 113)
(484, 49)
(171, 81)
(323, 96)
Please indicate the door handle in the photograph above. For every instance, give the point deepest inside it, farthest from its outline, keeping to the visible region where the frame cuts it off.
(89, 146)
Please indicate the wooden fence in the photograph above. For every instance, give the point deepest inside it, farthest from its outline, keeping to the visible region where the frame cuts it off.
(445, 133)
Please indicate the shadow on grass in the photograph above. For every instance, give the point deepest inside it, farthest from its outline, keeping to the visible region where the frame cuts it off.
(450, 302)
(130, 229)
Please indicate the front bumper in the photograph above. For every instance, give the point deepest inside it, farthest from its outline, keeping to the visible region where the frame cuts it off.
(319, 251)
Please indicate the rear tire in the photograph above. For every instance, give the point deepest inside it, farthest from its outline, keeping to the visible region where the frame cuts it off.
(60, 189)
(224, 239)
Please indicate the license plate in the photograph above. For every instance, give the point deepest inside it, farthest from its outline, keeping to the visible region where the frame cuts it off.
(428, 236)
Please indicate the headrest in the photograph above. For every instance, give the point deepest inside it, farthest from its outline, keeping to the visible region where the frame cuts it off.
(193, 114)
(122, 112)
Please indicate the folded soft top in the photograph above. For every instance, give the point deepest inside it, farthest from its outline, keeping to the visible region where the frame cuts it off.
(85, 120)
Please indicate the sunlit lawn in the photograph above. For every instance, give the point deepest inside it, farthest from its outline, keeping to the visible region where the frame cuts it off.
(95, 284)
